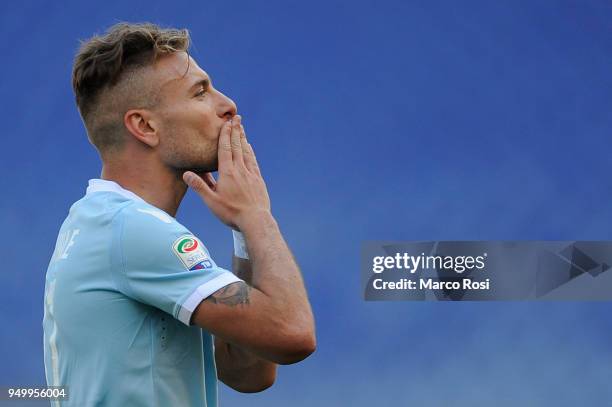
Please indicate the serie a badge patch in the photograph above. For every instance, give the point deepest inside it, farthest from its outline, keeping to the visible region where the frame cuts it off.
(190, 252)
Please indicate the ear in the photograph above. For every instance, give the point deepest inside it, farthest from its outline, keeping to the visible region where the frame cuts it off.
(142, 125)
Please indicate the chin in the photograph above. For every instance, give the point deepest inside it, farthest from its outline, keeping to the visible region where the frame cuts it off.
(200, 169)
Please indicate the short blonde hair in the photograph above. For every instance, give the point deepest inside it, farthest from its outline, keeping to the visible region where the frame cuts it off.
(107, 76)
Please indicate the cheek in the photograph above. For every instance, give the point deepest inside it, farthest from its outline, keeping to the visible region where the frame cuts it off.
(197, 128)
(191, 131)
(206, 122)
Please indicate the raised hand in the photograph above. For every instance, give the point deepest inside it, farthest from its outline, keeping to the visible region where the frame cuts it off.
(240, 192)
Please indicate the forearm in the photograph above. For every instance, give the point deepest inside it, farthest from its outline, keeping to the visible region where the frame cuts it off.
(271, 317)
(241, 370)
(275, 273)
(243, 269)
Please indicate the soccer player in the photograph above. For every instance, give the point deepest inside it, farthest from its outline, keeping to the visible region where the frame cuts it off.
(137, 312)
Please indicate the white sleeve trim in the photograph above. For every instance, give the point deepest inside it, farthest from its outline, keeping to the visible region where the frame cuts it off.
(202, 292)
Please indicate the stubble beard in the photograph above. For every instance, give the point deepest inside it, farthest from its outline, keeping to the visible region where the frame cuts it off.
(198, 160)
(190, 155)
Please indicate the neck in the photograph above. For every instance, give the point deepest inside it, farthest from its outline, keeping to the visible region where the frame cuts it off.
(155, 183)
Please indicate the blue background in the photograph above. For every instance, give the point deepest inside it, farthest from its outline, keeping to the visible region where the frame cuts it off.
(371, 120)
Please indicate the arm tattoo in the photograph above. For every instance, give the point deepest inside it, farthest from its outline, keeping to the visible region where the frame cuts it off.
(232, 294)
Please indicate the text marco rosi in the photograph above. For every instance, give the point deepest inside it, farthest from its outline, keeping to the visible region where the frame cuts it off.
(459, 264)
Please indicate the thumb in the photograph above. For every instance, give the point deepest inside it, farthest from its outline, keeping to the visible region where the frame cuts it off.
(196, 183)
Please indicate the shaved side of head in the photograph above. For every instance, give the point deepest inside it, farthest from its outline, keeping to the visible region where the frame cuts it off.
(114, 73)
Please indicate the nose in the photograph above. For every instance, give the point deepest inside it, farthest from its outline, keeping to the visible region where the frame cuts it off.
(226, 107)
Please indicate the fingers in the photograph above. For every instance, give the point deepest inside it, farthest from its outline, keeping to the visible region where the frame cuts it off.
(254, 164)
(225, 147)
(238, 151)
(244, 144)
(235, 141)
(197, 184)
(247, 153)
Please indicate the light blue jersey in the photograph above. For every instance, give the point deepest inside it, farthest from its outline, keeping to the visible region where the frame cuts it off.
(120, 289)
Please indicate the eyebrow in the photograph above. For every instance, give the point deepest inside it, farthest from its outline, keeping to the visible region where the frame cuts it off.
(205, 83)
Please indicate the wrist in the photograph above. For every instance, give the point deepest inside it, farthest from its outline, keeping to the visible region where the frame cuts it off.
(253, 220)
(258, 226)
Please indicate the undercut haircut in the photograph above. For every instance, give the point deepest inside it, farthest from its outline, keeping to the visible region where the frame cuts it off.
(109, 77)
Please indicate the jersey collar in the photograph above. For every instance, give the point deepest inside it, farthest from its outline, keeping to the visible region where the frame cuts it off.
(104, 185)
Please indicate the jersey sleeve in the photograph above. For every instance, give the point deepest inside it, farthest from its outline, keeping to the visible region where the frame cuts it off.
(157, 261)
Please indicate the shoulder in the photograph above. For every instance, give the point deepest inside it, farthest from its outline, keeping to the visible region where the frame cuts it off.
(143, 227)
(145, 220)
(147, 235)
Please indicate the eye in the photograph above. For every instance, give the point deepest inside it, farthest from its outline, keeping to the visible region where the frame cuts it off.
(201, 92)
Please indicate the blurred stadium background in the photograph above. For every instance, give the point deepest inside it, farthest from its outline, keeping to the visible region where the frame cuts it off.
(371, 120)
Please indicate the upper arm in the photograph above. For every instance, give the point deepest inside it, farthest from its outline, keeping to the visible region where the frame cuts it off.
(160, 263)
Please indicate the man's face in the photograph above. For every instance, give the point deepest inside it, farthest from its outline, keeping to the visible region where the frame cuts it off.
(190, 114)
